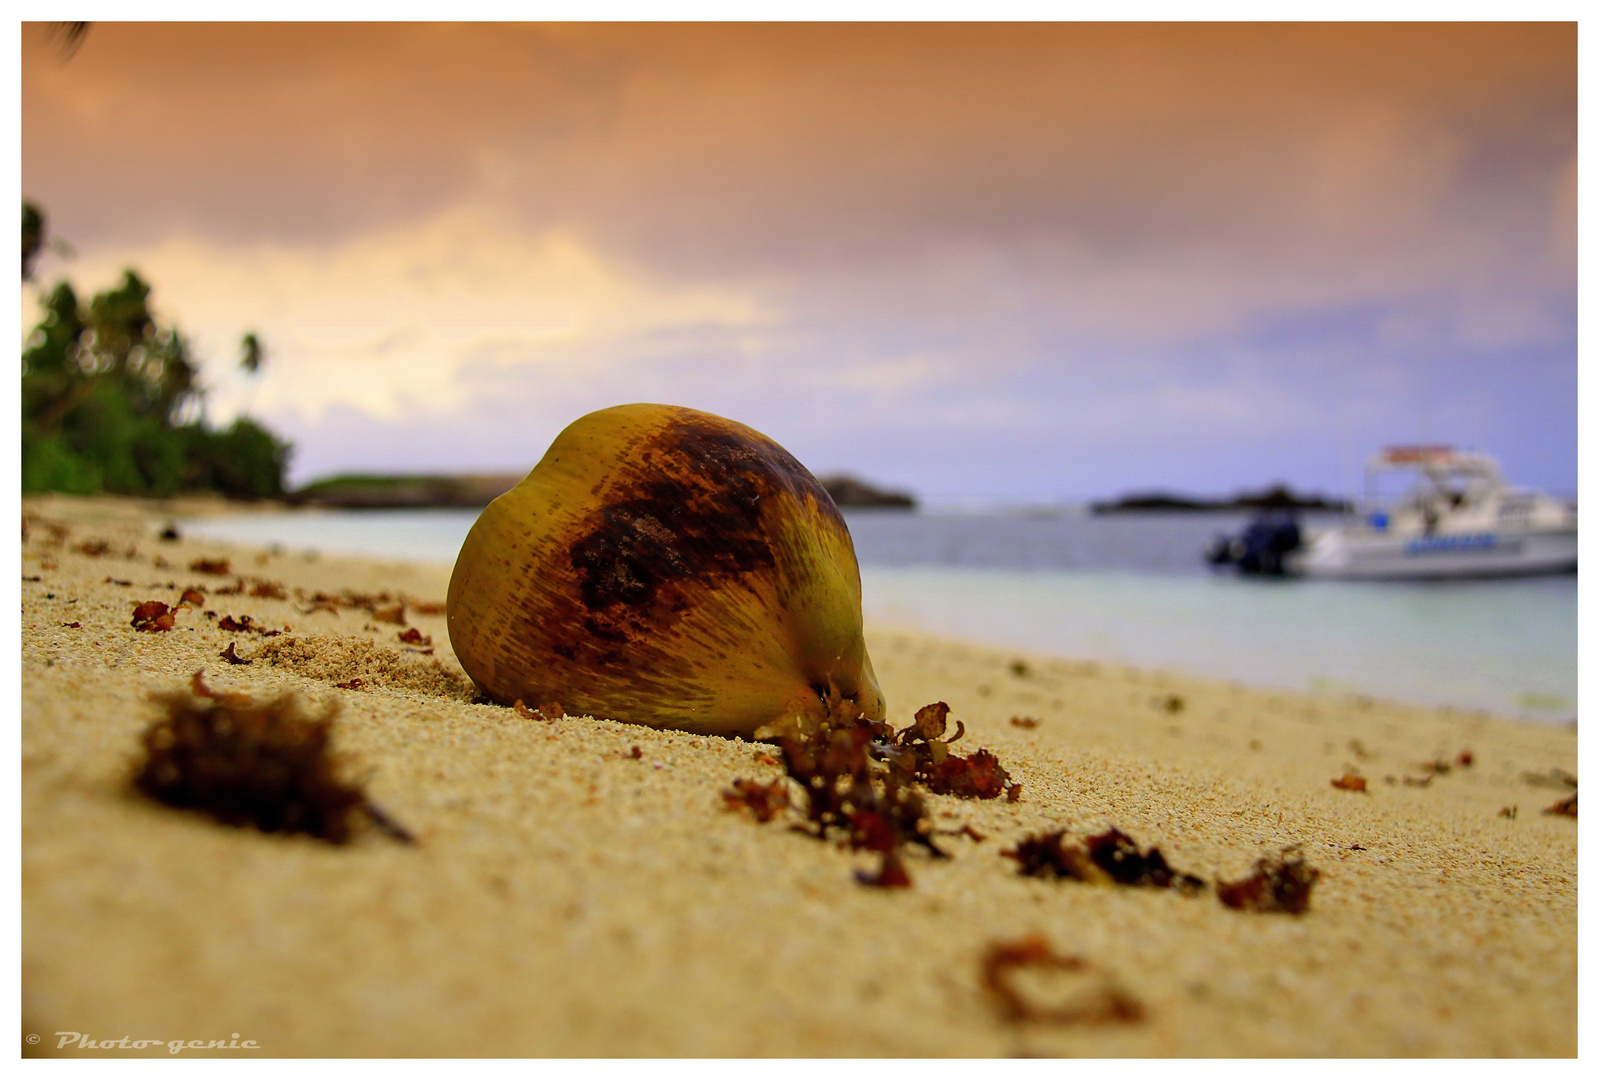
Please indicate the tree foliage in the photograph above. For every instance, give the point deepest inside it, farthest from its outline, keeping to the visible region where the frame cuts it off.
(32, 238)
(111, 401)
(71, 35)
(252, 354)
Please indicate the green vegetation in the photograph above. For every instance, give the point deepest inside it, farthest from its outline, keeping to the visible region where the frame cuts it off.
(394, 491)
(336, 485)
(111, 400)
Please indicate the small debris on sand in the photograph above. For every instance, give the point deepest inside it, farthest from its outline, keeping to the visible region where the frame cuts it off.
(153, 616)
(1566, 807)
(765, 801)
(1279, 883)
(1099, 1002)
(551, 711)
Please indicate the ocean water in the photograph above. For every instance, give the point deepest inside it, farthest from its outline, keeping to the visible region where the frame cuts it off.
(1128, 589)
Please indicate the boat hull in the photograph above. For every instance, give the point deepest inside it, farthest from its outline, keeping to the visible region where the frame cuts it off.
(1485, 554)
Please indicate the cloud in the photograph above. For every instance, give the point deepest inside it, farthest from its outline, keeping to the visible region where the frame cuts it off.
(942, 248)
(387, 321)
(782, 146)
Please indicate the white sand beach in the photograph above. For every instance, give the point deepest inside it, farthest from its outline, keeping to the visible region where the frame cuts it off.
(569, 897)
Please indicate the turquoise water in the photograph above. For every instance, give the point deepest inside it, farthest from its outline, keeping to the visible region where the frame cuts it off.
(1501, 646)
(1130, 590)
(413, 535)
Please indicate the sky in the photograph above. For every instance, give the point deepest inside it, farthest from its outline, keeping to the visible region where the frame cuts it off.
(1047, 262)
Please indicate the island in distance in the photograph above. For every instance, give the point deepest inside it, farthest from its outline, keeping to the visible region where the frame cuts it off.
(1274, 497)
(469, 490)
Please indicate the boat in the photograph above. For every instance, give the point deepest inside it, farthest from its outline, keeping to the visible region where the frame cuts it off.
(1457, 518)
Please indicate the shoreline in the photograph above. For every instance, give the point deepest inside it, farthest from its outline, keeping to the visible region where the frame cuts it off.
(568, 898)
(1451, 647)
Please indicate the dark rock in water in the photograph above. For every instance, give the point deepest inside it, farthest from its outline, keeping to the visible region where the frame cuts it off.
(1275, 497)
(1280, 497)
(1151, 500)
(850, 491)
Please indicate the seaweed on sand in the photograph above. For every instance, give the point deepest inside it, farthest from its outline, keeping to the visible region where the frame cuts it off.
(765, 801)
(1112, 857)
(850, 794)
(1279, 883)
(1100, 1002)
(247, 763)
(925, 754)
(861, 778)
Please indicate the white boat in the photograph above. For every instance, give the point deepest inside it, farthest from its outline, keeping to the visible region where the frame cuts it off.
(1458, 518)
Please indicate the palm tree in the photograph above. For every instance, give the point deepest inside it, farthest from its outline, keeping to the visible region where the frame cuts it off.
(252, 357)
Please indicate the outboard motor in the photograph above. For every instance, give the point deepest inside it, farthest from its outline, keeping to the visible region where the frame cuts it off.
(1260, 548)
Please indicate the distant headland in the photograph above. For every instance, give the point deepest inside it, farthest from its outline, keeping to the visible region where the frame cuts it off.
(470, 490)
(1275, 497)
(851, 491)
(406, 492)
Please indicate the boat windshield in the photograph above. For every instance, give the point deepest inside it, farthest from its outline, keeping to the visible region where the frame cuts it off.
(1391, 488)
(1427, 483)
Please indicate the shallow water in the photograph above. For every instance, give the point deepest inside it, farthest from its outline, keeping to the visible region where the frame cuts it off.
(1129, 589)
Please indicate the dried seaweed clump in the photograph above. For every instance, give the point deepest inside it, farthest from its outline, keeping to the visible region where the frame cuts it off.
(382, 606)
(922, 750)
(866, 803)
(248, 763)
(1099, 1002)
(1112, 857)
(860, 779)
(245, 624)
(1279, 883)
(1566, 807)
(153, 617)
(765, 801)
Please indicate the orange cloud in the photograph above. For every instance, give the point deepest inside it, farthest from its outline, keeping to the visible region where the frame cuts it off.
(775, 143)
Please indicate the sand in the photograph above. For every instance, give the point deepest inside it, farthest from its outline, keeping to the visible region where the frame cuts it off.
(568, 898)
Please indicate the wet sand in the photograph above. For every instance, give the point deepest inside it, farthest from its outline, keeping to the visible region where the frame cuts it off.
(568, 898)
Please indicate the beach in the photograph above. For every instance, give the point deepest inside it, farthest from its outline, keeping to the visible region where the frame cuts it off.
(580, 887)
